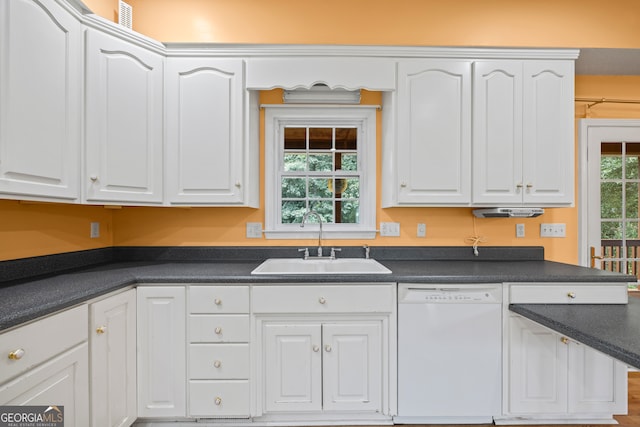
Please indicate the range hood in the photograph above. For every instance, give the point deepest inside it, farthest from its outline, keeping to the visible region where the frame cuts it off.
(508, 212)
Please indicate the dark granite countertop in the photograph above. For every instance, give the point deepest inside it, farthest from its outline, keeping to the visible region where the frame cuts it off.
(24, 297)
(613, 329)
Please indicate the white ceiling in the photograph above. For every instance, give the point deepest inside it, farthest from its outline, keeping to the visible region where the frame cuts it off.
(608, 62)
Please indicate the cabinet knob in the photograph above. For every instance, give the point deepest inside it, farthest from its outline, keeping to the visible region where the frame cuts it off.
(571, 295)
(218, 330)
(322, 300)
(519, 186)
(316, 348)
(327, 348)
(218, 401)
(238, 184)
(16, 354)
(217, 301)
(93, 178)
(403, 184)
(529, 186)
(217, 364)
(564, 340)
(101, 329)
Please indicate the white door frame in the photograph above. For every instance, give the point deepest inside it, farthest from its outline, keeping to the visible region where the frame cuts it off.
(591, 130)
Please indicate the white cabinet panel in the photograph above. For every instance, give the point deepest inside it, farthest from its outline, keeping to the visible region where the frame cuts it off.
(433, 145)
(161, 351)
(207, 145)
(113, 360)
(40, 101)
(124, 127)
(219, 399)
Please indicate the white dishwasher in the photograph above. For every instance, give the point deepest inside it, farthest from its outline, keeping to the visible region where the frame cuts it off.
(449, 353)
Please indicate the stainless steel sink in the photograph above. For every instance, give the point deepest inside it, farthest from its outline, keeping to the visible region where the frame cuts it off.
(283, 266)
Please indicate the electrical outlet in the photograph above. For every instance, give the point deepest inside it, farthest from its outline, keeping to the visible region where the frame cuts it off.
(254, 230)
(421, 230)
(519, 230)
(95, 230)
(553, 230)
(390, 229)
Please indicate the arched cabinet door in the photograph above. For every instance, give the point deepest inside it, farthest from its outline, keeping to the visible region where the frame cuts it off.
(40, 101)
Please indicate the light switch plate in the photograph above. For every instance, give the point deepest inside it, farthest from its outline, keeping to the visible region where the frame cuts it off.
(553, 230)
(519, 230)
(390, 229)
(421, 230)
(95, 230)
(254, 230)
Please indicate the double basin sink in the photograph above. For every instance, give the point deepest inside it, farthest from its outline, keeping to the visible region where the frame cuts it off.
(284, 266)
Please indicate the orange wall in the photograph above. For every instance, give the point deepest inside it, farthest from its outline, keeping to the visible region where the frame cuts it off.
(38, 229)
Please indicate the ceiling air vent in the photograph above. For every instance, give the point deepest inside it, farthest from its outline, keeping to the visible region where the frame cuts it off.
(125, 15)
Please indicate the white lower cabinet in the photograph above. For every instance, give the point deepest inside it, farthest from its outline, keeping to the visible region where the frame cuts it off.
(112, 341)
(316, 358)
(47, 365)
(161, 325)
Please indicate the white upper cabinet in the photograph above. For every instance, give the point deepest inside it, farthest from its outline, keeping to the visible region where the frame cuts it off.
(207, 141)
(40, 101)
(124, 128)
(523, 133)
(429, 157)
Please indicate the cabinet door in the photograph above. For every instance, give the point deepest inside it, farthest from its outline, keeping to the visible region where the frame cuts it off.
(548, 152)
(62, 381)
(205, 138)
(352, 367)
(597, 383)
(434, 132)
(123, 121)
(497, 132)
(537, 369)
(161, 351)
(292, 367)
(40, 100)
(113, 360)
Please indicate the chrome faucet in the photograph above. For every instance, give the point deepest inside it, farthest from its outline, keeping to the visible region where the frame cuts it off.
(317, 215)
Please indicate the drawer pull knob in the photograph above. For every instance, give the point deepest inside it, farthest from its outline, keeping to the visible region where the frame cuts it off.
(571, 295)
(322, 300)
(564, 340)
(217, 363)
(218, 330)
(316, 348)
(16, 354)
(217, 301)
(218, 401)
(101, 330)
(327, 348)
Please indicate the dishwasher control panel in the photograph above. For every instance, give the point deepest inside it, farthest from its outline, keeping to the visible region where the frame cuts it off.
(456, 294)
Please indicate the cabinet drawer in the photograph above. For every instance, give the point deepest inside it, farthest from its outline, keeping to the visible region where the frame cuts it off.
(569, 293)
(218, 299)
(41, 340)
(216, 329)
(323, 299)
(219, 399)
(219, 361)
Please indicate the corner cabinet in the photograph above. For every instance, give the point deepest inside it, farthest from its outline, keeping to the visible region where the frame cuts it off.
(40, 101)
(208, 137)
(324, 352)
(124, 121)
(428, 159)
(523, 133)
(551, 377)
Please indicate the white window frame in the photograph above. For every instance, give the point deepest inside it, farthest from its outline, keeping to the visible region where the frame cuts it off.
(277, 117)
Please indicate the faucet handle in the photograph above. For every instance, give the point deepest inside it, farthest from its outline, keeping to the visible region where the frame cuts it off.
(366, 251)
(334, 250)
(306, 252)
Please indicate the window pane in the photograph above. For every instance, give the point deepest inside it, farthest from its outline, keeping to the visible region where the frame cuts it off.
(293, 211)
(320, 188)
(324, 208)
(350, 211)
(611, 230)
(347, 161)
(294, 188)
(631, 171)
(295, 138)
(320, 138)
(631, 201)
(631, 230)
(295, 162)
(321, 162)
(611, 167)
(352, 188)
(611, 200)
(339, 185)
(346, 139)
